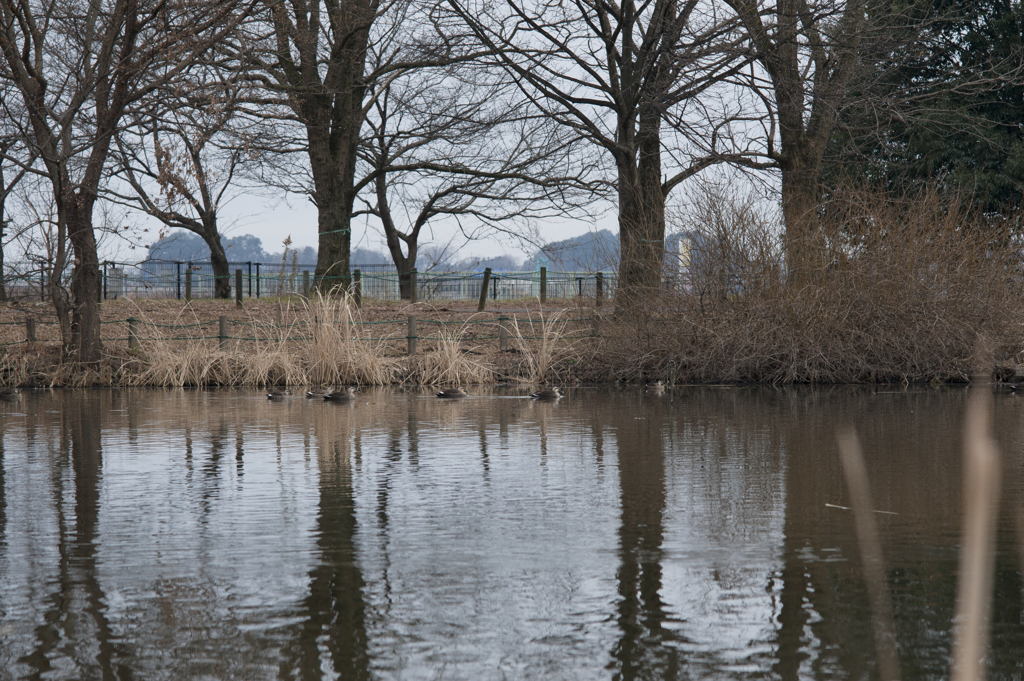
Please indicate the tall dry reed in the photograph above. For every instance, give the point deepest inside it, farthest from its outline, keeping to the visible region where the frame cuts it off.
(448, 363)
(543, 345)
(341, 350)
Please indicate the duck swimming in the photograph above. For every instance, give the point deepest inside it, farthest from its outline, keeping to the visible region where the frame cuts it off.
(319, 393)
(336, 395)
(278, 395)
(452, 392)
(656, 388)
(547, 394)
(10, 394)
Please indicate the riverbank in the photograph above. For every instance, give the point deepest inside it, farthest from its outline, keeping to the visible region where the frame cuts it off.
(295, 341)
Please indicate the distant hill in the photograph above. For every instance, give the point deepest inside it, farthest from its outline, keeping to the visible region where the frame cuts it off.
(591, 252)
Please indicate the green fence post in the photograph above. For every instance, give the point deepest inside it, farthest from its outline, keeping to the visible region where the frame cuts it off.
(188, 284)
(238, 288)
(305, 283)
(543, 285)
(412, 335)
(30, 329)
(223, 335)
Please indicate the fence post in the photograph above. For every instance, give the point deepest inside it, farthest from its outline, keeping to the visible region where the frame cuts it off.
(249, 263)
(278, 315)
(483, 290)
(595, 326)
(30, 329)
(257, 280)
(133, 333)
(414, 277)
(178, 265)
(357, 288)
(188, 284)
(600, 288)
(412, 335)
(223, 335)
(238, 287)
(305, 283)
(502, 334)
(543, 285)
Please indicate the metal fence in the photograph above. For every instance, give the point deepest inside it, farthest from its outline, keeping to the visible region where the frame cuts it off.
(180, 279)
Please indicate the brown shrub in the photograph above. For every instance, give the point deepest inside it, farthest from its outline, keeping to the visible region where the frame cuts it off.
(905, 290)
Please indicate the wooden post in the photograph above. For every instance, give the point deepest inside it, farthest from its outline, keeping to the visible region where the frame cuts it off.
(600, 288)
(357, 288)
(483, 290)
(188, 285)
(30, 329)
(543, 285)
(133, 333)
(412, 335)
(223, 335)
(595, 326)
(414, 280)
(238, 288)
(305, 283)
(502, 334)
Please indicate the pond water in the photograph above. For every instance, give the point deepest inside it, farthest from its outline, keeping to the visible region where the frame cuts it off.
(613, 535)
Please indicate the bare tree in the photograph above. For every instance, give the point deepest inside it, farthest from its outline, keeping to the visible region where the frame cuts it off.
(313, 61)
(621, 76)
(78, 66)
(454, 144)
(806, 52)
(181, 153)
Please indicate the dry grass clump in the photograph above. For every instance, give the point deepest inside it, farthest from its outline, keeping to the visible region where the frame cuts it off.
(341, 351)
(905, 289)
(543, 346)
(177, 361)
(449, 363)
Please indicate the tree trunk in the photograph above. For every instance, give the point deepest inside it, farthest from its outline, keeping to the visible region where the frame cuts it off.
(806, 246)
(219, 264)
(332, 179)
(642, 212)
(86, 284)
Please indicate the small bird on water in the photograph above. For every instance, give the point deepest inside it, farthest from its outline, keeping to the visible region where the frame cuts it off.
(547, 394)
(452, 392)
(10, 394)
(278, 394)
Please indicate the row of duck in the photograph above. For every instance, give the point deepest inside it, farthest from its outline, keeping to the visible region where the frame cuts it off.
(347, 393)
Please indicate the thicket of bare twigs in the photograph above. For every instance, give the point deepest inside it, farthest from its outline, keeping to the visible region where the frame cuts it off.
(906, 290)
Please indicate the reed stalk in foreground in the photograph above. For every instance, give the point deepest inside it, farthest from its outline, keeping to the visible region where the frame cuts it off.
(871, 556)
(971, 620)
(977, 549)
